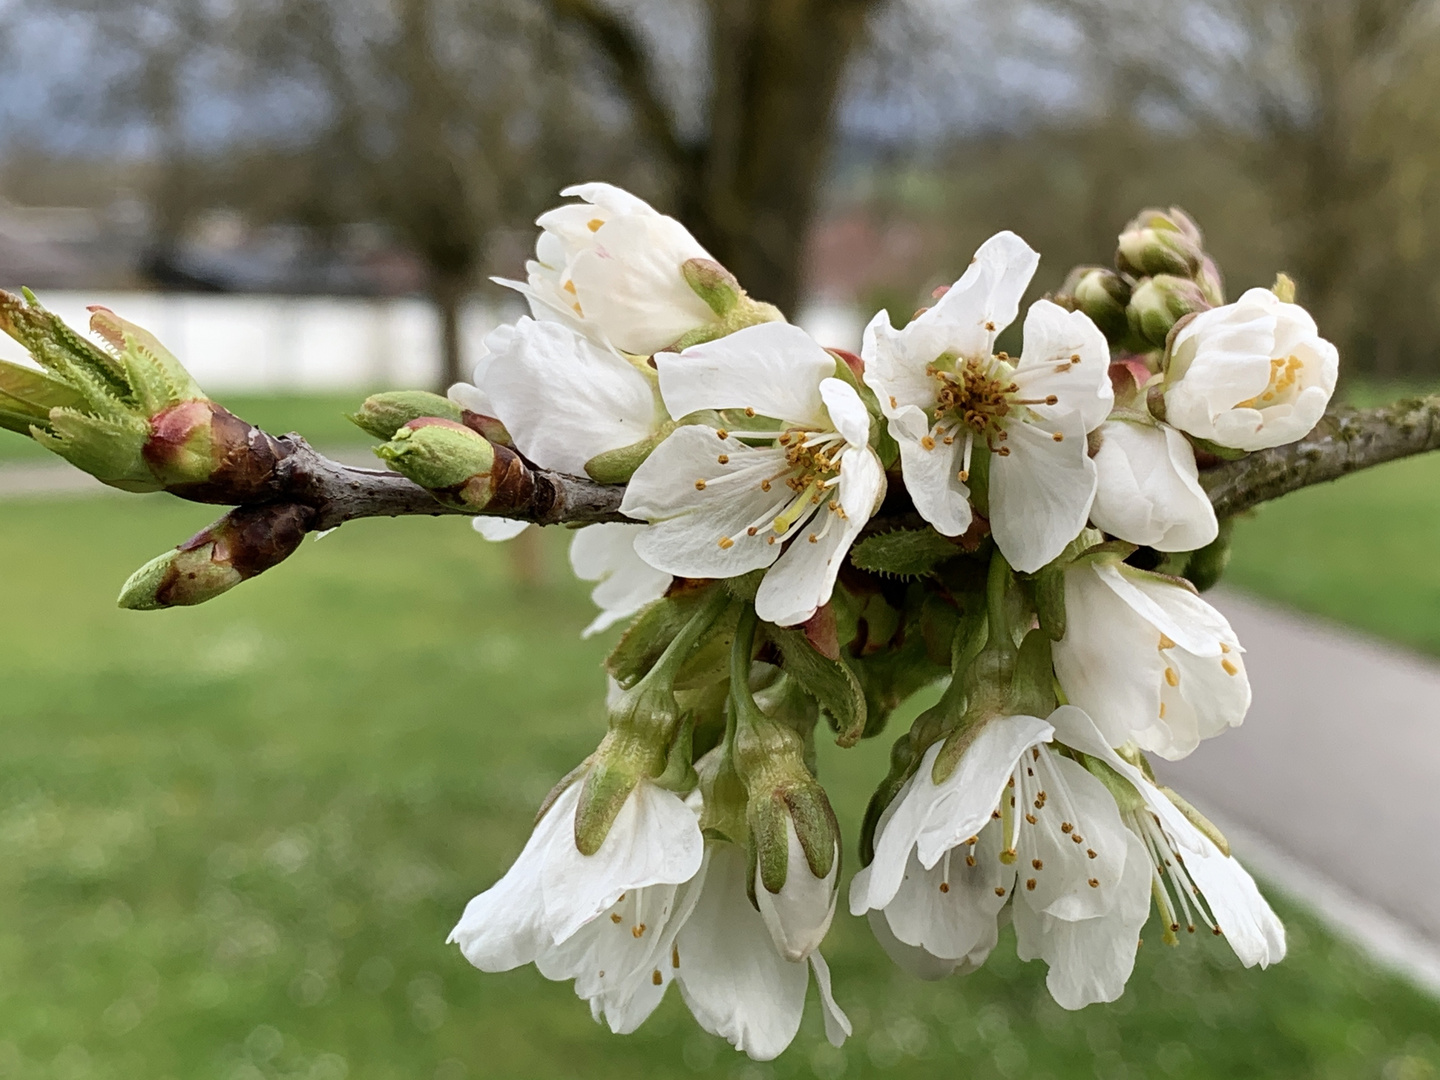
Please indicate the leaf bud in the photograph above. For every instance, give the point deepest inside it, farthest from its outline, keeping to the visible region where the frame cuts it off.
(382, 415)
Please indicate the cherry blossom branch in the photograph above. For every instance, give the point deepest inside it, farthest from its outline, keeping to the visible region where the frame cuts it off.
(1345, 441)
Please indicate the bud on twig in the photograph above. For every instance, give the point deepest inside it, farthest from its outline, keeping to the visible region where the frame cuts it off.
(242, 544)
(458, 466)
(1160, 242)
(1158, 303)
(384, 414)
(1101, 294)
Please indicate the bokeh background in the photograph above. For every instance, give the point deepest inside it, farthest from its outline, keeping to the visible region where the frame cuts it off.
(233, 839)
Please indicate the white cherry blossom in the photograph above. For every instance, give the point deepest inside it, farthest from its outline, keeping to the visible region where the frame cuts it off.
(606, 920)
(1014, 823)
(735, 982)
(943, 389)
(1148, 660)
(610, 266)
(605, 553)
(1196, 885)
(1148, 488)
(1249, 375)
(791, 497)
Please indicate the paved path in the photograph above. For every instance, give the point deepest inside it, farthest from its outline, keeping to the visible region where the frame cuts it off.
(1333, 779)
(1329, 791)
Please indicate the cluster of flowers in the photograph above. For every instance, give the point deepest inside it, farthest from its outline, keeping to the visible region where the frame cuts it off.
(696, 845)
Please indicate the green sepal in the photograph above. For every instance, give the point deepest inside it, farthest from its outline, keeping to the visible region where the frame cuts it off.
(562, 785)
(714, 284)
(903, 553)
(157, 380)
(679, 772)
(617, 466)
(1048, 586)
(381, 415)
(770, 845)
(650, 632)
(37, 390)
(1224, 453)
(815, 826)
(831, 682)
(1032, 682)
(608, 783)
(1126, 797)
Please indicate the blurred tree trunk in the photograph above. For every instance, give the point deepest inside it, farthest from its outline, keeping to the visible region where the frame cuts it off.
(448, 292)
(747, 185)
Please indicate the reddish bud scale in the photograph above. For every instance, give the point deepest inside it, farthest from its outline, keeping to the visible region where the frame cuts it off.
(203, 452)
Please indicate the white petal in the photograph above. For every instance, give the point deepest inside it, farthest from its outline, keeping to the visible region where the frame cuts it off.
(987, 297)
(954, 922)
(1040, 493)
(910, 958)
(654, 840)
(895, 372)
(799, 915)
(1250, 926)
(1062, 887)
(932, 477)
(498, 529)
(837, 1024)
(1173, 610)
(693, 501)
(735, 983)
(503, 927)
(606, 553)
(967, 797)
(848, 414)
(1066, 355)
(1148, 489)
(564, 400)
(472, 397)
(1090, 960)
(773, 368)
(608, 197)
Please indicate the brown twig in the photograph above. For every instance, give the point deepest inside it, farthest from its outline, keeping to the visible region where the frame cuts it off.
(1345, 441)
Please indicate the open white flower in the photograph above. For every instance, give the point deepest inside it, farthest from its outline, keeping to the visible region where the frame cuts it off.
(607, 920)
(1249, 375)
(943, 388)
(1149, 490)
(1194, 880)
(719, 505)
(1148, 660)
(610, 266)
(605, 553)
(563, 398)
(734, 981)
(1014, 822)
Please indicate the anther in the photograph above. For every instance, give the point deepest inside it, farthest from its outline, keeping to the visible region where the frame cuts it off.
(1166, 643)
(999, 890)
(1074, 358)
(764, 485)
(989, 325)
(1030, 884)
(1090, 852)
(721, 433)
(1230, 668)
(1224, 648)
(699, 485)
(1004, 451)
(725, 543)
(944, 886)
(1077, 838)
(638, 930)
(1094, 883)
(1066, 827)
(1162, 710)
(1051, 399)
(1030, 818)
(615, 917)
(963, 475)
(656, 977)
(1058, 436)
(928, 443)
(814, 539)
(749, 411)
(893, 402)
(751, 531)
(1172, 676)
(969, 860)
(675, 954)
(723, 459)
(594, 224)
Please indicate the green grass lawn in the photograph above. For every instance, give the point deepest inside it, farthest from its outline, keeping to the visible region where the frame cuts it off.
(233, 839)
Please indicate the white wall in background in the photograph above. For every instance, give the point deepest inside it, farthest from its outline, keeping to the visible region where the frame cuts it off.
(260, 343)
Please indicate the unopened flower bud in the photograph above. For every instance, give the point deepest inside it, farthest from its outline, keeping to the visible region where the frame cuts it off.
(382, 415)
(459, 466)
(1158, 303)
(713, 284)
(1101, 294)
(242, 544)
(1160, 242)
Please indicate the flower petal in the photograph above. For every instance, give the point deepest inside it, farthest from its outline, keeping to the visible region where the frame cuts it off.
(1175, 611)
(498, 529)
(735, 983)
(895, 372)
(953, 922)
(1148, 489)
(563, 399)
(798, 916)
(847, 412)
(932, 477)
(774, 368)
(1249, 924)
(986, 299)
(837, 1024)
(1041, 492)
(1066, 355)
(606, 553)
(654, 840)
